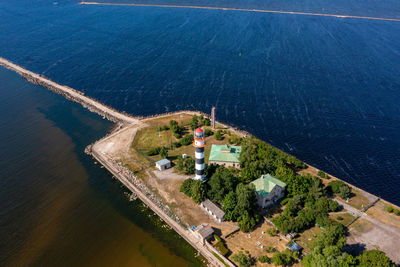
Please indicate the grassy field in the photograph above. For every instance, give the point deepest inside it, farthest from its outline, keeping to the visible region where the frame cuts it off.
(149, 137)
(347, 218)
(305, 239)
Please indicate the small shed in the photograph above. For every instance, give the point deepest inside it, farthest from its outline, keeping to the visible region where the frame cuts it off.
(163, 164)
(213, 210)
(203, 232)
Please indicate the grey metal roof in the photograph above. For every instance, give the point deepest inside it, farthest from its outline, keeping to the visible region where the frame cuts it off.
(213, 208)
(205, 230)
(163, 162)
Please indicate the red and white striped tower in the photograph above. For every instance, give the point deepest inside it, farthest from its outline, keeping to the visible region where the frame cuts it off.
(199, 143)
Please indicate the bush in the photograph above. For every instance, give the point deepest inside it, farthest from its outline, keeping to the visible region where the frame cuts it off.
(153, 151)
(389, 209)
(397, 212)
(177, 144)
(187, 140)
(165, 128)
(340, 218)
(272, 231)
(264, 259)
(270, 249)
(323, 175)
(340, 188)
(285, 201)
(218, 135)
(177, 135)
(208, 132)
(242, 259)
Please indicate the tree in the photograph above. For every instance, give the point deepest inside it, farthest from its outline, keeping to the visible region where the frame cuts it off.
(372, 258)
(189, 166)
(294, 205)
(337, 186)
(187, 140)
(198, 191)
(282, 258)
(186, 187)
(194, 123)
(242, 259)
(264, 259)
(344, 192)
(221, 183)
(229, 204)
(246, 222)
(326, 250)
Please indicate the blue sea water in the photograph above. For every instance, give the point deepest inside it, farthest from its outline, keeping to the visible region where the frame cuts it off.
(324, 89)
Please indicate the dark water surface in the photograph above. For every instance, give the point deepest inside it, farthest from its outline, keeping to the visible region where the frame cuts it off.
(325, 89)
(57, 208)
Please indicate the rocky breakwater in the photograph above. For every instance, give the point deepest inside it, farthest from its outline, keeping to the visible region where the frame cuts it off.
(70, 94)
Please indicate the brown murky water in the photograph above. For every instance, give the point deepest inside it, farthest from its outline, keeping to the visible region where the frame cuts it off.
(57, 208)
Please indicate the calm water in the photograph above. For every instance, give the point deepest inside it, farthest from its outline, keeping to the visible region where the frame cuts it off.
(57, 208)
(324, 89)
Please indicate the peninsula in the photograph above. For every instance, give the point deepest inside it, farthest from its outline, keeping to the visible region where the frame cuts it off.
(316, 206)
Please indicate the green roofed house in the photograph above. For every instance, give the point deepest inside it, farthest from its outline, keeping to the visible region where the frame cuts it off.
(268, 190)
(225, 155)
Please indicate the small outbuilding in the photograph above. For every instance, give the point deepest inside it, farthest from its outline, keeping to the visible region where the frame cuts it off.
(163, 164)
(213, 210)
(268, 190)
(203, 232)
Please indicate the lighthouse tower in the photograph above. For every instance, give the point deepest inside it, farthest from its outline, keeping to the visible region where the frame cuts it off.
(199, 143)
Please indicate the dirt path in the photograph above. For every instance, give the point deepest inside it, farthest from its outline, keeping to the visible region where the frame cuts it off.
(370, 233)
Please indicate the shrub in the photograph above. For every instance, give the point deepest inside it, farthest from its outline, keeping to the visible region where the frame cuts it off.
(177, 135)
(272, 231)
(340, 218)
(242, 259)
(208, 132)
(389, 209)
(283, 258)
(264, 259)
(218, 135)
(177, 144)
(270, 249)
(340, 188)
(186, 187)
(165, 128)
(323, 175)
(186, 140)
(153, 151)
(285, 201)
(397, 212)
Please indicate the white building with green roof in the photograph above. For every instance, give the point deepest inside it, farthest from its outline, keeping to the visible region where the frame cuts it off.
(268, 190)
(225, 155)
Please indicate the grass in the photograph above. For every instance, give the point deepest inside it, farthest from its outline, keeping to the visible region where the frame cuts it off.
(358, 200)
(149, 137)
(347, 218)
(219, 258)
(305, 239)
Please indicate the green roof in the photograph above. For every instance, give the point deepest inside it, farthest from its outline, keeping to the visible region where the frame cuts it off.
(225, 153)
(266, 183)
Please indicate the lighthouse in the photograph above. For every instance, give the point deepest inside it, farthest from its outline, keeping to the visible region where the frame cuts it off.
(199, 143)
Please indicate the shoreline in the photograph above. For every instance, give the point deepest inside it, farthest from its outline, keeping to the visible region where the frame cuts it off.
(126, 121)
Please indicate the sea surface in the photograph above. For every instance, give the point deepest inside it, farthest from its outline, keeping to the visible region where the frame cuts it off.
(324, 89)
(59, 208)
